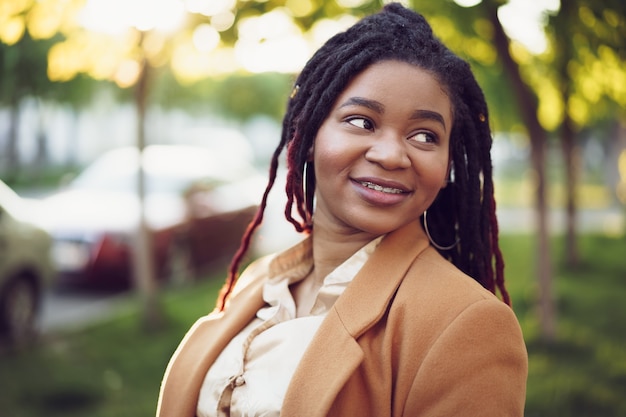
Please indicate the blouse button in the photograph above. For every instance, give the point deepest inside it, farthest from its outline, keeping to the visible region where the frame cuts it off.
(239, 381)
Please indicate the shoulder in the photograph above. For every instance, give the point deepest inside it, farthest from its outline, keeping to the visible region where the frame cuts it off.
(443, 282)
(435, 294)
(257, 270)
(464, 342)
(272, 265)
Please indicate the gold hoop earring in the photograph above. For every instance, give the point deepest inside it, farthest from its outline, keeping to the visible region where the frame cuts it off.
(430, 239)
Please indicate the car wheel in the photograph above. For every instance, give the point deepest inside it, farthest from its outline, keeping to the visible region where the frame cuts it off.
(178, 265)
(18, 310)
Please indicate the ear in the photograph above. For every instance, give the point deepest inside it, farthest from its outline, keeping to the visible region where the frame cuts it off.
(309, 154)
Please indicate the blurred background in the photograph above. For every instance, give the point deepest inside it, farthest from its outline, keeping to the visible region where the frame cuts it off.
(135, 139)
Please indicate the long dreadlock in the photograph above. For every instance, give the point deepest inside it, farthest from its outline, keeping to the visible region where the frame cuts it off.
(464, 211)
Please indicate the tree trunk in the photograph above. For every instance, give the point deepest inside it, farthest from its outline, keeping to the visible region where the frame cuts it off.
(571, 158)
(11, 154)
(618, 181)
(143, 259)
(73, 142)
(528, 110)
(41, 154)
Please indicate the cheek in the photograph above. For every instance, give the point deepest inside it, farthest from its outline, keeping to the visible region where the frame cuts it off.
(434, 171)
(328, 148)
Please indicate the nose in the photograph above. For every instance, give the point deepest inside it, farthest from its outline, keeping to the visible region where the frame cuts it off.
(388, 151)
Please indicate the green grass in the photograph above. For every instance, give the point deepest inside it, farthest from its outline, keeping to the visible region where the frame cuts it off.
(114, 368)
(583, 373)
(109, 369)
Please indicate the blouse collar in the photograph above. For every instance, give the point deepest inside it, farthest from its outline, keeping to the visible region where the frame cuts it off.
(295, 264)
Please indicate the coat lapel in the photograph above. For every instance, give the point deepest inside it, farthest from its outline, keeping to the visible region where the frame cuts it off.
(334, 353)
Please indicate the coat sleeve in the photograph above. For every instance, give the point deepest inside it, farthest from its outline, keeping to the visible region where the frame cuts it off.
(477, 367)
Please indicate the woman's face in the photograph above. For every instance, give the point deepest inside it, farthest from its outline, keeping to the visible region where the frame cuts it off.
(381, 156)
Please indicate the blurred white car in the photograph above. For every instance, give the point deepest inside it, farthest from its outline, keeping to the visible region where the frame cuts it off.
(25, 266)
(198, 201)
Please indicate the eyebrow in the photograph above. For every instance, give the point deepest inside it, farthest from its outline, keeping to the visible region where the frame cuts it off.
(374, 105)
(378, 107)
(429, 115)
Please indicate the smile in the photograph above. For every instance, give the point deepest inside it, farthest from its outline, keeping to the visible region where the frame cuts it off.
(376, 187)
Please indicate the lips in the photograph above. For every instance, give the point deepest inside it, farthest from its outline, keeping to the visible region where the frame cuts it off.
(380, 192)
(381, 188)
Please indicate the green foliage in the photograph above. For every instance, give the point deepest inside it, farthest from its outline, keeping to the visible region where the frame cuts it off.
(114, 368)
(23, 73)
(587, 59)
(248, 95)
(238, 96)
(468, 33)
(23, 69)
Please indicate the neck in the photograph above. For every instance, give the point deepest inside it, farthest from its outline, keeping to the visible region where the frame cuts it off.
(332, 248)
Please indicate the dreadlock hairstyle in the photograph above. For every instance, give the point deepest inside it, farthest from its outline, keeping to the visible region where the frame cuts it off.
(464, 211)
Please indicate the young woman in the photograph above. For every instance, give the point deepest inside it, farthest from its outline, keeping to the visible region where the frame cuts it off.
(387, 307)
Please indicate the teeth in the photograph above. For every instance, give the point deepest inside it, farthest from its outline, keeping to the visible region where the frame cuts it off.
(380, 188)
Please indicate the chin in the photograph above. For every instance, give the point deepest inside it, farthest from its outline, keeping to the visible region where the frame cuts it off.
(376, 228)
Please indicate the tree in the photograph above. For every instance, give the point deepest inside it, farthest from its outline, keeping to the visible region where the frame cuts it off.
(23, 74)
(576, 84)
(528, 105)
(24, 45)
(588, 40)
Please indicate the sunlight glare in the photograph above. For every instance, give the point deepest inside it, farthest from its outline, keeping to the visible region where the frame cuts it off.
(127, 73)
(210, 7)
(12, 20)
(351, 4)
(223, 21)
(116, 16)
(12, 30)
(205, 38)
(268, 26)
(300, 8)
(271, 42)
(524, 21)
(467, 3)
(324, 29)
(405, 3)
(190, 65)
(44, 19)
(58, 63)
(286, 55)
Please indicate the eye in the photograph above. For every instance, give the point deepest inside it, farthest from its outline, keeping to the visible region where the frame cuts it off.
(424, 137)
(361, 123)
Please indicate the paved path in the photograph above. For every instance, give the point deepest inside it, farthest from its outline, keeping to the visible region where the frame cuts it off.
(67, 310)
(522, 220)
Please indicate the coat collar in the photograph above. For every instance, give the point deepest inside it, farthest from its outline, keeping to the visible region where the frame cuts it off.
(324, 371)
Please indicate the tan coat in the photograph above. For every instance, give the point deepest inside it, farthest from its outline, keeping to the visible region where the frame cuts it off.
(410, 336)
